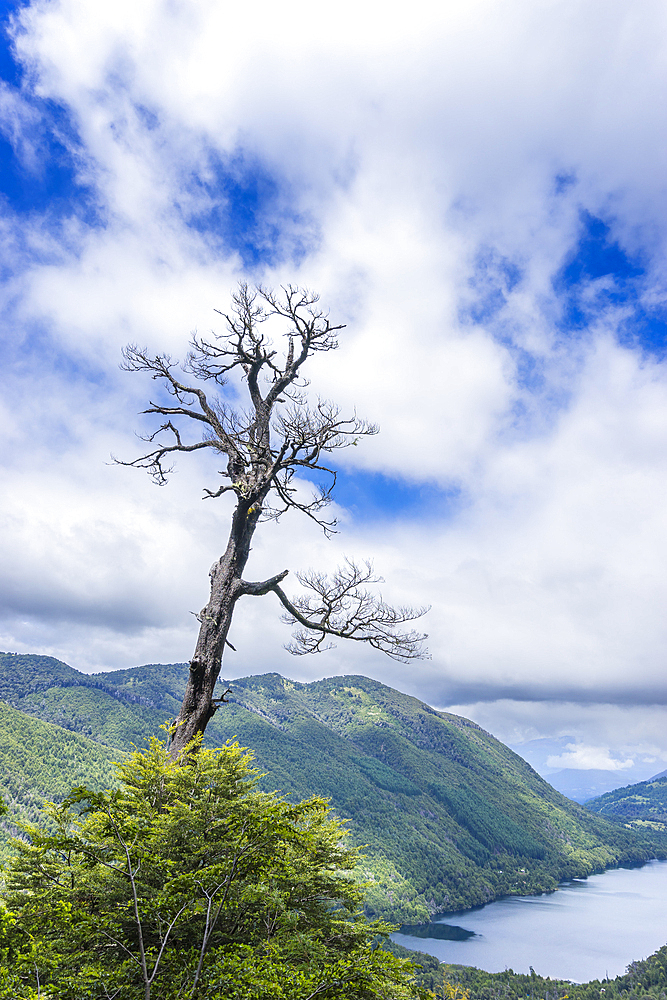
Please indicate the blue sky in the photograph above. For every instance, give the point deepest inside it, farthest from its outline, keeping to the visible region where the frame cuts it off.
(477, 191)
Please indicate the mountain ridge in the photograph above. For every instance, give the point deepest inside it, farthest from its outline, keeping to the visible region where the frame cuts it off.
(449, 815)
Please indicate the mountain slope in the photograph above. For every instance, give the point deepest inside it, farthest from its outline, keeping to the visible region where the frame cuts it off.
(41, 762)
(646, 978)
(644, 803)
(452, 817)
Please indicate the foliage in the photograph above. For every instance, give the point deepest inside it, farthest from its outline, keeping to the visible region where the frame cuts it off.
(460, 818)
(645, 979)
(40, 762)
(188, 881)
(447, 816)
(428, 969)
(385, 759)
(452, 991)
(642, 804)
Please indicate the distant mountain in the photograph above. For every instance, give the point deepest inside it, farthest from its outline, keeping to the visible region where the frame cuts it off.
(641, 805)
(579, 784)
(451, 817)
(582, 785)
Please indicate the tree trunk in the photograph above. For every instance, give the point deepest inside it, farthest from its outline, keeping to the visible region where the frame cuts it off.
(226, 587)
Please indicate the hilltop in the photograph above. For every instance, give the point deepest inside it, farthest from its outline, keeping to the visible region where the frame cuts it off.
(451, 817)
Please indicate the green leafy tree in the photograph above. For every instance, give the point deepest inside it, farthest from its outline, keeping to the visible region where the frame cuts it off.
(187, 881)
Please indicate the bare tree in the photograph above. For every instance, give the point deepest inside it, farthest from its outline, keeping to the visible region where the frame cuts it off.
(266, 445)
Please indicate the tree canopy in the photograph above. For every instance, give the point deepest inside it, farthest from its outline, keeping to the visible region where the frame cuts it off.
(187, 881)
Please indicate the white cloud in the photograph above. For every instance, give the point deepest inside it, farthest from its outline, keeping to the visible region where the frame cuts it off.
(581, 757)
(19, 123)
(420, 150)
(542, 732)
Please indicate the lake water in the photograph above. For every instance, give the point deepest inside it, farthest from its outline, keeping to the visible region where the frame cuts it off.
(587, 929)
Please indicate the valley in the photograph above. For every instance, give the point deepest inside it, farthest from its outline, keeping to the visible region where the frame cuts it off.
(447, 815)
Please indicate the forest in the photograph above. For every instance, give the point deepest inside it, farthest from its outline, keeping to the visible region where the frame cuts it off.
(646, 978)
(447, 815)
(193, 881)
(387, 812)
(640, 806)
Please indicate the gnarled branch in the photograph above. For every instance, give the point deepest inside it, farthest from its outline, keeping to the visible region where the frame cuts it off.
(279, 433)
(342, 607)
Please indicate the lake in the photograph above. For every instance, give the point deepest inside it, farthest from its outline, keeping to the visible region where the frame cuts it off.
(588, 929)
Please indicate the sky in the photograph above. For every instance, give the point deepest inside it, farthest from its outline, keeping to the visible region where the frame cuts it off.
(477, 190)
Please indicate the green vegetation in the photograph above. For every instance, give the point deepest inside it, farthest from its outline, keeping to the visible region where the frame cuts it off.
(643, 980)
(641, 806)
(186, 880)
(445, 814)
(40, 762)
(448, 816)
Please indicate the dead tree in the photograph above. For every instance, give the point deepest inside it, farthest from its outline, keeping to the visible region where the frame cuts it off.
(266, 445)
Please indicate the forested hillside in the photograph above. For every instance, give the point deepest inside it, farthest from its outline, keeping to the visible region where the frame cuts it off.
(641, 805)
(451, 816)
(645, 979)
(41, 762)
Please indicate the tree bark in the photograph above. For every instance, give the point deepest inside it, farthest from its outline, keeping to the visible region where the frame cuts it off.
(215, 619)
